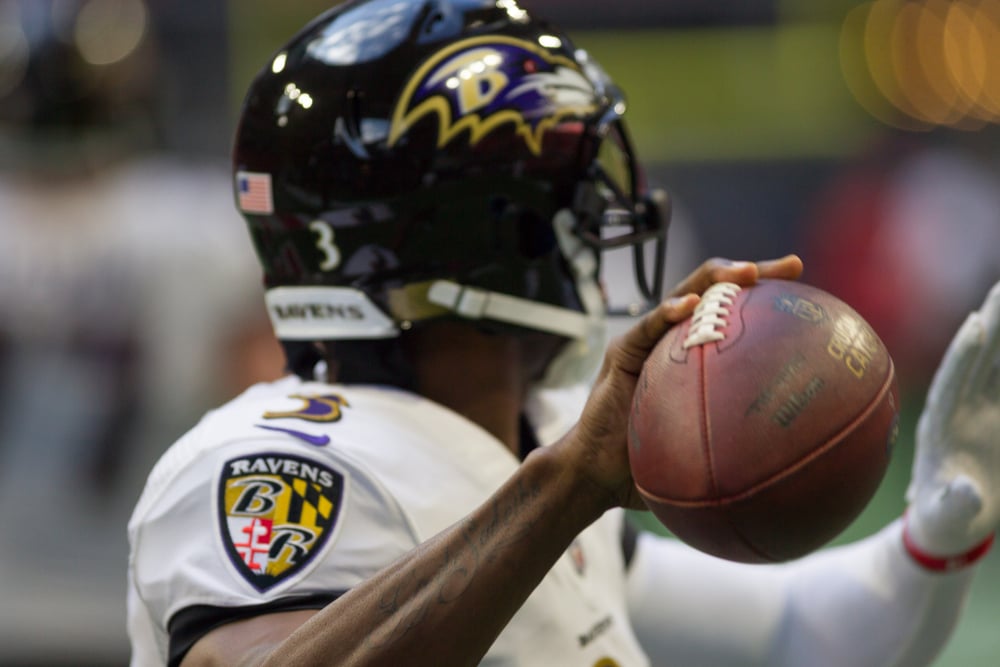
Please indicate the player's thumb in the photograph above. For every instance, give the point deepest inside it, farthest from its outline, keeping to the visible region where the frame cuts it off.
(942, 516)
(632, 348)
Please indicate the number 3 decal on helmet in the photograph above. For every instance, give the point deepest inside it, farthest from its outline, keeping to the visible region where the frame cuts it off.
(324, 242)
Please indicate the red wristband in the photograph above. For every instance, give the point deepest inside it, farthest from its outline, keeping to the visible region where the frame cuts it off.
(944, 563)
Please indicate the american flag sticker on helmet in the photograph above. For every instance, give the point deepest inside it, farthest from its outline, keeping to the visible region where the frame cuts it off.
(253, 191)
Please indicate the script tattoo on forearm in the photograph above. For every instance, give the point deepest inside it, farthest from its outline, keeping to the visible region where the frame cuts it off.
(509, 523)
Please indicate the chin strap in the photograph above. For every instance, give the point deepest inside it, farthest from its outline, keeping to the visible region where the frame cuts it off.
(474, 303)
(936, 563)
(580, 356)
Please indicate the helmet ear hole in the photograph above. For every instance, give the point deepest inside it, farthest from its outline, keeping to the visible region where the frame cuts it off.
(521, 231)
(498, 206)
(536, 237)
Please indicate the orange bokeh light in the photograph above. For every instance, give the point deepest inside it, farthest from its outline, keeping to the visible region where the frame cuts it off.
(919, 64)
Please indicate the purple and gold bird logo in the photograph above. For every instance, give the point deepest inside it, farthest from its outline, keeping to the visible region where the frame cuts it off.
(479, 84)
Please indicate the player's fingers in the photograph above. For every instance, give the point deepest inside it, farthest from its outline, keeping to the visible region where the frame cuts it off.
(718, 269)
(714, 270)
(634, 346)
(952, 375)
(668, 313)
(987, 368)
(788, 267)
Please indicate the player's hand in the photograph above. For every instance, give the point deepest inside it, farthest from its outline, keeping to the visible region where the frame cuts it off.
(603, 425)
(718, 270)
(954, 495)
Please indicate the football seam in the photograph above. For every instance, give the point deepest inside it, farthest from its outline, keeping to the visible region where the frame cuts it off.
(749, 544)
(795, 467)
(706, 425)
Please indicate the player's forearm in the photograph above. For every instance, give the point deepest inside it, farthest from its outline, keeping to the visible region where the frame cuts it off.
(446, 601)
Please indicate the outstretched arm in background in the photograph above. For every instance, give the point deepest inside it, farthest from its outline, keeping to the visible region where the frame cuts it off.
(890, 600)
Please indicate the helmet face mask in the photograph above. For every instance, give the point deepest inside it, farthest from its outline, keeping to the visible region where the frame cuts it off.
(398, 162)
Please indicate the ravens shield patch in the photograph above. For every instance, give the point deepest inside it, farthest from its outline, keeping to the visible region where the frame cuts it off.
(276, 512)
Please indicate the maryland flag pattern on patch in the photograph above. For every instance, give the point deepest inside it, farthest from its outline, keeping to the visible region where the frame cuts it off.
(276, 511)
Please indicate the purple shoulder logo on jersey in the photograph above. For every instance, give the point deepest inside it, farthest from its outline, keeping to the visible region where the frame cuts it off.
(479, 84)
(276, 511)
(315, 408)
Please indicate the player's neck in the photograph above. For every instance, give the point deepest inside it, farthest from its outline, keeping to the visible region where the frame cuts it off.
(495, 409)
(478, 376)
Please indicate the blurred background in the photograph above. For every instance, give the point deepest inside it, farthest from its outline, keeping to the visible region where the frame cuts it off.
(862, 135)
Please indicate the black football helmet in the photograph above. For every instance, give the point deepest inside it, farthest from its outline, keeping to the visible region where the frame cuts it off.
(404, 160)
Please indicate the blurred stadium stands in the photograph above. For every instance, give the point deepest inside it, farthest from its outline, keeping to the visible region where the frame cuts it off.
(757, 115)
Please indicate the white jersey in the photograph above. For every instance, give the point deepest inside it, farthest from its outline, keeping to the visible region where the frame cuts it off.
(299, 491)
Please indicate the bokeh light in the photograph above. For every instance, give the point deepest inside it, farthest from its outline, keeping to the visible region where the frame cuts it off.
(921, 64)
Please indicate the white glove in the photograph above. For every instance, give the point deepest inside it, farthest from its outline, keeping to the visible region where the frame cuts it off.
(954, 494)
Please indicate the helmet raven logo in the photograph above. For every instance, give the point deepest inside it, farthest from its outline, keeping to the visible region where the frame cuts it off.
(481, 83)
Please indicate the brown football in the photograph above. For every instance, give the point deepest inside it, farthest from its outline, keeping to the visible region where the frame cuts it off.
(763, 424)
